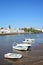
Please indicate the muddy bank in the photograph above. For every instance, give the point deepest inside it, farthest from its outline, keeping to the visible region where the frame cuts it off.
(34, 56)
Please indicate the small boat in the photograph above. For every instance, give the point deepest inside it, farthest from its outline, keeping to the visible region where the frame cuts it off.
(24, 45)
(21, 46)
(12, 55)
(30, 40)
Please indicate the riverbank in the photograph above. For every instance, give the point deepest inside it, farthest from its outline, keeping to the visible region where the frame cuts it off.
(16, 33)
(32, 57)
(8, 34)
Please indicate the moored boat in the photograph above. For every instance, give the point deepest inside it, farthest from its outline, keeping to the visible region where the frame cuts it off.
(29, 40)
(21, 46)
(12, 55)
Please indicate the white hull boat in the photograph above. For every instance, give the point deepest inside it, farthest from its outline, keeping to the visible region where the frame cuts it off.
(12, 55)
(24, 45)
(30, 40)
(21, 46)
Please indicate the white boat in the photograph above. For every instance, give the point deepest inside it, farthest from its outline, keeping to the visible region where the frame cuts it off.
(24, 45)
(29, 40)
(12, 55)
(21, 46)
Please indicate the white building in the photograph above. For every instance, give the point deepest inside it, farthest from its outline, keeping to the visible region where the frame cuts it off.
(20, 31)
(5, 31)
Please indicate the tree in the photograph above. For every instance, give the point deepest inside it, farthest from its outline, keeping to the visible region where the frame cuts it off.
(25, 29)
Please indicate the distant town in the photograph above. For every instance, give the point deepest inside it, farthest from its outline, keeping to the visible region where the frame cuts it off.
(10, 30)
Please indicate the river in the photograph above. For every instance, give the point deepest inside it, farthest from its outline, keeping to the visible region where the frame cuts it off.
(34, 56)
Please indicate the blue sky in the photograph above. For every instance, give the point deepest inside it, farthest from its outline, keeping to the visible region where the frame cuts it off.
(21, 13)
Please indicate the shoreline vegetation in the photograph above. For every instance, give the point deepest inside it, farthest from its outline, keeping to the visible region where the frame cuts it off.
(32, 30)
(10, 31)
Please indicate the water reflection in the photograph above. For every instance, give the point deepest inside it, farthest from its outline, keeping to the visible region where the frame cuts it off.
(13, 61)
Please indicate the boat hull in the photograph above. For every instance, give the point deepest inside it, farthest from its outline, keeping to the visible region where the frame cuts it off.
(12, 56)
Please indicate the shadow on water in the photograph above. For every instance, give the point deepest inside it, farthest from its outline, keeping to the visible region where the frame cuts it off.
(12, 60)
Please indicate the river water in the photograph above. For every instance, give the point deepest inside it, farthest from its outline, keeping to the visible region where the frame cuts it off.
(33, 56)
